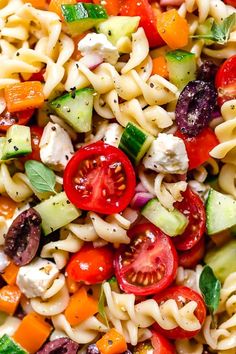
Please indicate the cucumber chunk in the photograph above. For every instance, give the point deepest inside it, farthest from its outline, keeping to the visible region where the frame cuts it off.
(172, 223)
(18, 142)
(8, 346)
(222, 260)
(135, 142)
(56, 212)
(220, 212)
(2, 144)
(76, 108)
(82, 16)
(118, 26)
(182, 67)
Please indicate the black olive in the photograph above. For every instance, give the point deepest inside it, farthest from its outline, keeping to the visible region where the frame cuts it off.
(207, 71)
(195, 106)
(23, 236)
(60, 346)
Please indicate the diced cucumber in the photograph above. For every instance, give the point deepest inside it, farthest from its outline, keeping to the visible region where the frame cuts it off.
(18, 142)
(118, 26)
(76, 108)
(8, 346)
(172, 223)
(56, 212)
(82, 16)
(222, 260)
(182, 67)
(220, 212)
(135, 142)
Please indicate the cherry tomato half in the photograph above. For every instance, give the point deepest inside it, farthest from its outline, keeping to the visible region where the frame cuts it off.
(100, 177)
(193, 208)
(7, 119)
(157, 344)
(190, 258)
(148, 264)
(91, 265)
(226, 80)
(181, 294)
(198, 147)
(36, 134)
(148, 20)
(231, 2)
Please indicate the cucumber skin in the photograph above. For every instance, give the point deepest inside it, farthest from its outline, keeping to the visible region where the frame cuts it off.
(70, 98)
(17, 137)
(82, 16)
(182, 67)
(135, 142)
(8, 346)
(214, 217)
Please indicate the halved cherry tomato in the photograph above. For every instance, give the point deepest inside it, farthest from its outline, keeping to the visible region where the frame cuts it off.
(190, 258)
(100, 177)
(148, 19)
(182, 295)
(36, 134)
(193, 208)
(38, 76)
(7, 207)
(91, 265)
(198, 147)
(157, 344)
(231, 2)
(226, 80)
(148, 264)
(7, 119)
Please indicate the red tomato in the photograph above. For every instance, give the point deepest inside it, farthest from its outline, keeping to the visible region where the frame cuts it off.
(36, 134)
(181, 294)
(193, 208)
(157, 344)
(198, 147)
(231, 2)
(148, 264)
(148, 20)
(91, 265)
(100, 177)
(226, 80)
(7, 119)
(38, 76)
(190, 258)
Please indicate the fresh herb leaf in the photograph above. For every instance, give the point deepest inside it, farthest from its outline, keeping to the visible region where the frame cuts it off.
(41, 177)
(220, 32)
(210, 288)
(101, 306)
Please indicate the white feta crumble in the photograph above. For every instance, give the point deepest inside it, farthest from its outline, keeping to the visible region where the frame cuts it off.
(56, 147)
(4, 261)
(35, 278)
(167, 154)
(97, 43)
(113, 134)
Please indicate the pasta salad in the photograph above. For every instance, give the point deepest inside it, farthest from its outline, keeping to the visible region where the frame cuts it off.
(117, 176)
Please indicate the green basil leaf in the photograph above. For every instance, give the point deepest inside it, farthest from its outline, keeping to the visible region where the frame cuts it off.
(210, 288)
(41, 177)
(219, 32)
(101, 306)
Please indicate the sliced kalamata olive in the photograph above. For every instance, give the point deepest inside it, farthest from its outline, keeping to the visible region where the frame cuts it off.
(207, 71)
(60, 346)
(92, 349)
(23, 236)
(195, 106)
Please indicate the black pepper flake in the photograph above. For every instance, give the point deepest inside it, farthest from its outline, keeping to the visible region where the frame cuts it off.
(67, 202)
(9, 140)
(110, 342)
(67, 157)
(58, 105)
(17, 54)
(54, 129)
(52, 229)
(109, 33)
(151, 84)
(68, 110)
(15, 148)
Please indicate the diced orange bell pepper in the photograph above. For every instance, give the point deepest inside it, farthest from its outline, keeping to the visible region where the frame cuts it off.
(160, 67)
(10, 273)
(112, 343)
(9, 299)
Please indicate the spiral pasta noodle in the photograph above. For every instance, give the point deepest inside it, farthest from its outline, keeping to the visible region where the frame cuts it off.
(189, 277)
(124, 314)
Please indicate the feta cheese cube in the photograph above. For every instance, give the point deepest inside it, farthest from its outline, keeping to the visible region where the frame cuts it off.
(35, 278)
(94, 43)
(4, 261)
(56, 147)
(113, 134)
(167, 154)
